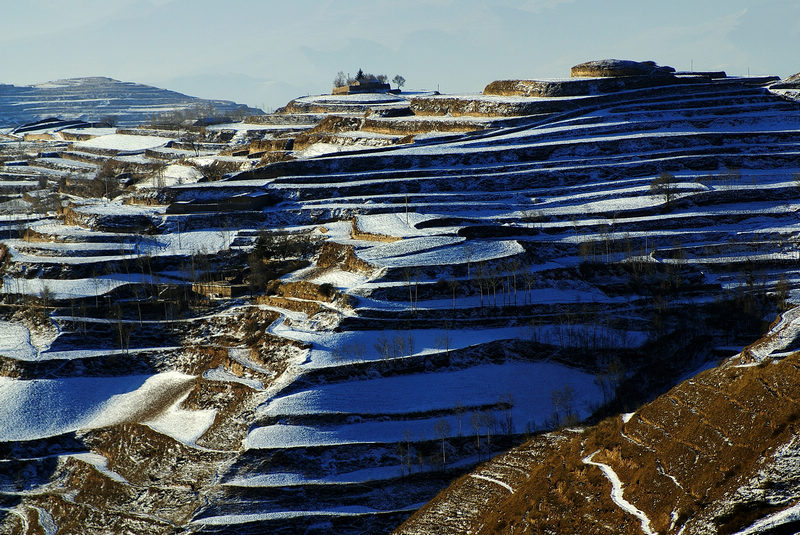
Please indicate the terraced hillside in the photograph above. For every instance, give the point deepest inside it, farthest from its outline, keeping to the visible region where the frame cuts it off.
(715, 454)
(95, 99)
(324, 337)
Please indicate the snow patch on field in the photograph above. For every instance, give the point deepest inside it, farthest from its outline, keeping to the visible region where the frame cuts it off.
(627, 417)
(454, 254)
(327, 344)
(32, 409)
(15, 342)
(384, 251)
(61, 288)
(183, 425)
(221, 374)
(340, 279)
(123, 142)
(345, 510)
(173, 175)
(528, 385)
(397, 225)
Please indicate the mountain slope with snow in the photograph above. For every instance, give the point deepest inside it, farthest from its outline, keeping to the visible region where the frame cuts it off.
(96, 99)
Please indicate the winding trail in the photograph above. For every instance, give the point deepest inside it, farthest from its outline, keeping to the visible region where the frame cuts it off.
(617, 493)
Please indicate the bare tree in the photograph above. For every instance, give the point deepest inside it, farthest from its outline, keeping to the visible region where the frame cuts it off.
(398, 346)
(341, 79)
(514, 266)
(529, 278)
(459, 410)
(399, 81)
(443, 341)
(489, 420)
(563, 400)
(454, 285)
(507, 402)
(664, 186)
(404, 450)
(382, 346)
(442, 429)
(475, 421)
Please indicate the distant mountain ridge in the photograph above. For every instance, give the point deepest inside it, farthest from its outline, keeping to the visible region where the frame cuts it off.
(94, 98)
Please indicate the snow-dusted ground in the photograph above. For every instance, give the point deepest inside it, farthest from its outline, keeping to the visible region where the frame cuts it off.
(173, 175)
(401, 225)
(15, 341)
(123, 142)
(185, 426)
(325, 343)
(65, 288)
(432, 253)
(529, 386)
(40, 408)
(101, 464)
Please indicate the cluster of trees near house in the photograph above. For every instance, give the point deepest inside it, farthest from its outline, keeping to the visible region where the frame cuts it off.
(347, 79)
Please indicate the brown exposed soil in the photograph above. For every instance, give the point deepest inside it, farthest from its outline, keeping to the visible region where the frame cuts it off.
(404, 126)
(342, 256)
(335, 124)
(309, 308)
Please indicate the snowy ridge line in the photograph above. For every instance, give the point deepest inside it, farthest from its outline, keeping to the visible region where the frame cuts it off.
(789, 515)
(100, 463)
(780, 336)
(493, 480)
(353, 510)
(617, 490)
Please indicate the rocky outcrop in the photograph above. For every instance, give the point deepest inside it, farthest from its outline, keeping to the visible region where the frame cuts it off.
(592, 78)
(578, 86)
(485, 106)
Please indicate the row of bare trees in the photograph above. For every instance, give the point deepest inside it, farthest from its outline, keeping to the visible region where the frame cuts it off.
(500, 285)
(484, 425)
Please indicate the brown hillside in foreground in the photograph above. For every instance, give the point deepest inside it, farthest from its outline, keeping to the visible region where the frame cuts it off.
(712, 455)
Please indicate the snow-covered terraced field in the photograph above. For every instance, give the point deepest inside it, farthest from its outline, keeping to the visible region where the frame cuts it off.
(462, 293)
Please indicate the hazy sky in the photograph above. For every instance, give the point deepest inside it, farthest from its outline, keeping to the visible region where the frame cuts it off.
(263, 53)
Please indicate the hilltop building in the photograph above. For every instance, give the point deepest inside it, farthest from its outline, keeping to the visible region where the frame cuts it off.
(362, 85)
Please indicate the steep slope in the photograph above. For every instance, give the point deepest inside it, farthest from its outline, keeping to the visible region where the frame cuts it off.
(94, 99)
(715, 454)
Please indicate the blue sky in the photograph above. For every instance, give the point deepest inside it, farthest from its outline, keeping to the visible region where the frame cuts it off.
(263, 53)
